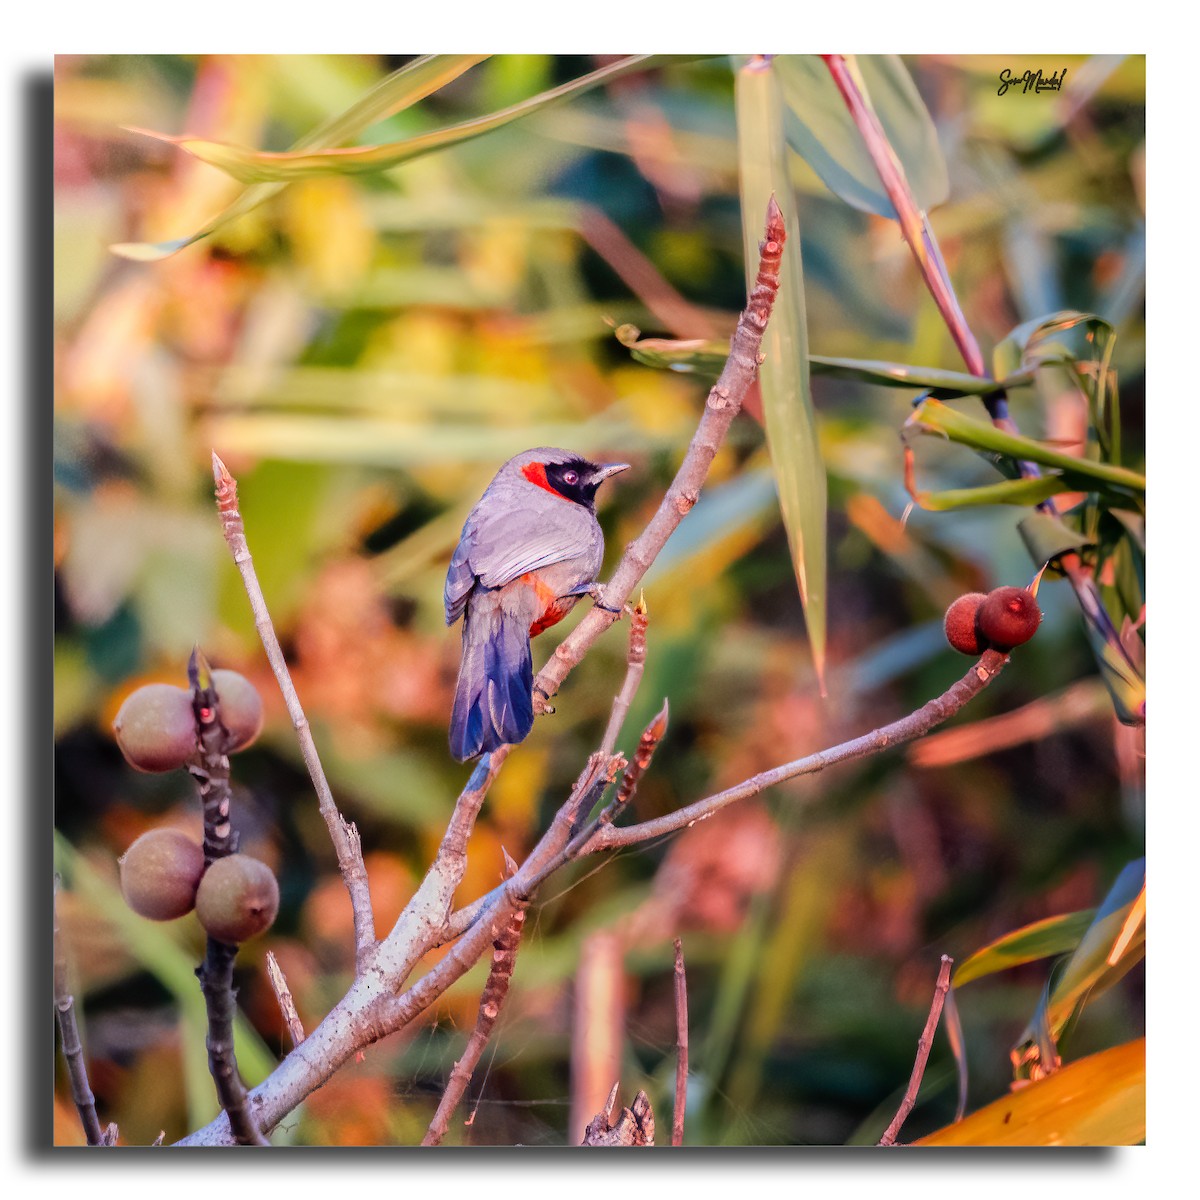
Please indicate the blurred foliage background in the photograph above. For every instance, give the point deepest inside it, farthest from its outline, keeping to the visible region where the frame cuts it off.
(364, 352)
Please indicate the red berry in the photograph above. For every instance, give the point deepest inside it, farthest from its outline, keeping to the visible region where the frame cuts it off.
(1009, 617)
(961, 629)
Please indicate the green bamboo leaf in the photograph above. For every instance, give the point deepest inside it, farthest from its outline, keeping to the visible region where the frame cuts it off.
(1046, 537)
(1025, 492)
(1041, 939)
(788, 412)
(1037, 341)
(400, 90)
(260, 166)
(821, 130)
(944, 385)
(1082, 473)
(157, 948)
(1088, 972)
(1098, 1101)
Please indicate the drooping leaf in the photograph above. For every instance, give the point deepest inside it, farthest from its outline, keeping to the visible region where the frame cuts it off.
(1098, 1101)
(1091, 970)
(400, 90)
(1025, 492)
(260, 166)
(1046, 537)
(819, 128)
(1041, 939)
(706, 357)
(788, 412)
(1080, 473)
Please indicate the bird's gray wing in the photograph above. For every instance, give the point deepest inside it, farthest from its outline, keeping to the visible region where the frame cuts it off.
(500, 543)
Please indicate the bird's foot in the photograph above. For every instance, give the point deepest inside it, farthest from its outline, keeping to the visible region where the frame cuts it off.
(596, 592)
(542, 700)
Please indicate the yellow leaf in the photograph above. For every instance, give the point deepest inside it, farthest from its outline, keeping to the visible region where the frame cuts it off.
(1097, 1101)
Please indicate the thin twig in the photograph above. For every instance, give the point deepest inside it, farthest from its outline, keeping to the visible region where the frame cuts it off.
(923, 1048)
(723, 404)
(681, 1043)
(343, 833)
(495, 991)
(72, 1047)
(634, 670)
(209, 766)
(929, 715)
(283, 994)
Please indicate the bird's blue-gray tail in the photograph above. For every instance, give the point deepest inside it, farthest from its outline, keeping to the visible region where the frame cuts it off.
(494, 701)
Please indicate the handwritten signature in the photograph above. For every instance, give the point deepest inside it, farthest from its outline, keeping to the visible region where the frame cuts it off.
(1031, 81)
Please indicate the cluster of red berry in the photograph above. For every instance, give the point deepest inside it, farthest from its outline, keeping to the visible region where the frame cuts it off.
(1004, 618)
(163, 874)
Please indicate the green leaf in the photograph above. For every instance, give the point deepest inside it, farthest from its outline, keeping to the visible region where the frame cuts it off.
(821, 129)
(788, 412)
(945, 385)
(1046, 537)
(1081, 474)
(400, 90)
(1088, 972)
(1008, 491)
(1037, 341)
(259, 166)
(1041, 939)
(1098, 1101)
(706, 356)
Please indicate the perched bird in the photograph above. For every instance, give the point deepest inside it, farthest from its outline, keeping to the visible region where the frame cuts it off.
(530, 548)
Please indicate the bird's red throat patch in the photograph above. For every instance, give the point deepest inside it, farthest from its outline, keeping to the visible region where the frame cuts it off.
(536, 474)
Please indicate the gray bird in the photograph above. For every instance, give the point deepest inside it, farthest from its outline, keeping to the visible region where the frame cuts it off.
(530, 548)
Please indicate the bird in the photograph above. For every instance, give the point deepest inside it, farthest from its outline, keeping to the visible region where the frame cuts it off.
(529, 549)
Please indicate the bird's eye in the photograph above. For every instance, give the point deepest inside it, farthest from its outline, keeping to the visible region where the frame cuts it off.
(570, 477)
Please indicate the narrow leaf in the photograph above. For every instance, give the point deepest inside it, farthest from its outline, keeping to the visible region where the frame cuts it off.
(786, 393)
(1008, 491)
(1083, 473)
(259, 166)
(822, 131)
(1041, 939)
(1088, 972)
(400, 90)
(1098, 1101)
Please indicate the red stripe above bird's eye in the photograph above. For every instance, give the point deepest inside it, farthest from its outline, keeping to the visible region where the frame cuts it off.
(536, 474)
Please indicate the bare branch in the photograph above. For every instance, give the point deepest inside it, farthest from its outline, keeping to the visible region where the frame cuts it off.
(940, 709)
(724, 402)
(681, 1043)
(923, 1048)
(72, 1047)
(343, 833)
(283, 994)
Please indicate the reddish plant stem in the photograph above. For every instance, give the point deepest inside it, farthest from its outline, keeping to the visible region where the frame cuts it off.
(681, 1043)
(495, 991)
(923, 1048)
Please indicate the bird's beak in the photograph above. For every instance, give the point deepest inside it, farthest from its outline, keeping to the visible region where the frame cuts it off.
(604, 470)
